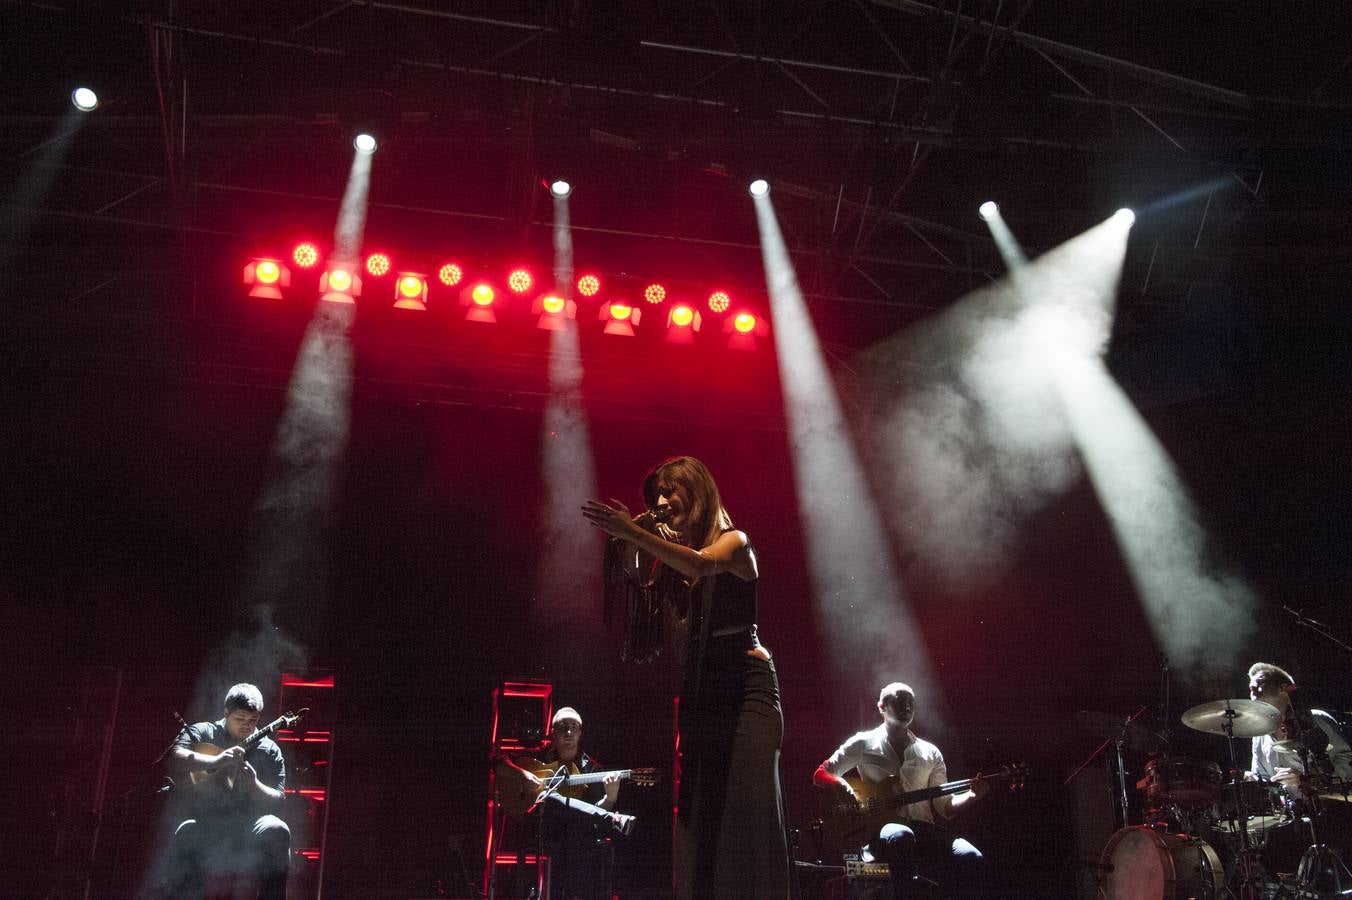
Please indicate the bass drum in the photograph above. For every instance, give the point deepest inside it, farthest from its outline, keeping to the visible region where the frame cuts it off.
(1143, 864)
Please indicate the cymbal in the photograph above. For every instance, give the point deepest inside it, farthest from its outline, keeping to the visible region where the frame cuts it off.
(1133, 734)
(1250, 718)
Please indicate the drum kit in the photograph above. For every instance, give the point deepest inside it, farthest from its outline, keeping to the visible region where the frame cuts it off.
(1209, 833)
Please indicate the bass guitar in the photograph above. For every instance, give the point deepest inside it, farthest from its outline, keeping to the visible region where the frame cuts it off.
(221, 778)
(517, 794)
(848, 826)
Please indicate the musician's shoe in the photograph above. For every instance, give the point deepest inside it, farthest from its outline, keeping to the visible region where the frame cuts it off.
(622, 823)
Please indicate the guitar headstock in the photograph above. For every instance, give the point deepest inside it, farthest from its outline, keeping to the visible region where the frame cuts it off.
(1015, 775)
(644, 777)
(289, 719)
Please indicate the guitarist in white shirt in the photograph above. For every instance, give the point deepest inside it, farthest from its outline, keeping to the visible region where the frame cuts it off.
(236, 792)
(579, 850)
(914, 842)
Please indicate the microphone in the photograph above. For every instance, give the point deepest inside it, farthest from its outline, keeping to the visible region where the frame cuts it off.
(659, 515)
(182, 725)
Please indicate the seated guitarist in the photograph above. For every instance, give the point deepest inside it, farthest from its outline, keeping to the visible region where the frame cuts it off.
(573, 841)
(913, 841)
(235, 792)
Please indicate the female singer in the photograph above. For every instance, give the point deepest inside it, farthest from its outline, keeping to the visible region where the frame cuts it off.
(691, 579)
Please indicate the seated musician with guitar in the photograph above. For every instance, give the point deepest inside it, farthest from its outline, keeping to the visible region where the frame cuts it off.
(576, 817)
(236, 774)
(891, 763)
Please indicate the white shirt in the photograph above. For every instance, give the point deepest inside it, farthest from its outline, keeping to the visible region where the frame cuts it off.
(921, 765)
(1267, 757)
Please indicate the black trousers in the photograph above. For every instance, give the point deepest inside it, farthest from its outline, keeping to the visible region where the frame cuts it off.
(228, 844)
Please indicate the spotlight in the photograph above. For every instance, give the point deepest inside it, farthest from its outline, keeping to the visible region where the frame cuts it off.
(377, 264)
(266, 278)
(719, 301)
(560, 188)
(338, 284)
(364, 143)
(620, 318)
(654, 293)
(305, 256)
(85, 100)
(682, 323)
(410, 291)
(554, 312)
(743, 329)
(759, 188)
(478, 299)
(520, 281)
(450, 274)
(588, 285)
(988, 210)
(1126, 216)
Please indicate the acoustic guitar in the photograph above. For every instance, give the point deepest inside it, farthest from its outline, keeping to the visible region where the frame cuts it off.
(516, 794)
(848, 826)
(221, 778)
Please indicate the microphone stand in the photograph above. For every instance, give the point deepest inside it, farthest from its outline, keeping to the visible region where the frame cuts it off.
(1321, 869)
(1121, 738)
(1318, 628)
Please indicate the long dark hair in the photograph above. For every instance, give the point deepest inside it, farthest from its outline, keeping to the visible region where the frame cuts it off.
(706, 518)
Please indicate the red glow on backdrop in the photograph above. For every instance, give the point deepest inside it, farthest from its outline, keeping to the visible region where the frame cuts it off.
(266, 278)
(719, 301)
(654, 293)
(520, 281)
(377, 264)
(306, 255)
(410, 291)
(450, 274)
(588, 285)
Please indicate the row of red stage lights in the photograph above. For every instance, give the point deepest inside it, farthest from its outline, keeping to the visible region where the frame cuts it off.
(268, 278)
(520, 281)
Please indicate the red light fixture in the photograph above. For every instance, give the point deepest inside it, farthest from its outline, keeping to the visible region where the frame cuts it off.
(377, 264)
(719, 301)
(519, 281)
(554, 312)
(588, 285)
(450, 274)
(743, 329)
(338, 284)
(654, 293)
(305, 256)
(682, 323)
(478, 300)
(620, 318)
(410, 291)
(266, 278)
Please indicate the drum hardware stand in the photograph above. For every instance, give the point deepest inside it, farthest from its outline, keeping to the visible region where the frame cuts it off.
(1251, 884)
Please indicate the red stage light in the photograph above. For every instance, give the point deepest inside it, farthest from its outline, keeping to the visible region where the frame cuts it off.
(377, 264)
(410, 291)
(654, 293)
(554, 312)
(266, 278)
(479, 298)
(719, 302)
(450, 274)
(744, 322)
(682, 323)
(620, 318)
(519, 281)
(743, 329)
(306, 255)
(339, 285)
(588, 285)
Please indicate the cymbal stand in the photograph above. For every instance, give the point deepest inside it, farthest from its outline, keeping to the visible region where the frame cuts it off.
(1251, 882)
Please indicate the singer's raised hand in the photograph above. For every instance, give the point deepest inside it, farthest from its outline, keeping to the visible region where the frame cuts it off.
(613, 518)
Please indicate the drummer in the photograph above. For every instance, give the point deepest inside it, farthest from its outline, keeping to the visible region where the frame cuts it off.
(1314, 735)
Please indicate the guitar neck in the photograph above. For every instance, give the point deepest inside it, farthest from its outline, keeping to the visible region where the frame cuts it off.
(597, 777)
(929, 793)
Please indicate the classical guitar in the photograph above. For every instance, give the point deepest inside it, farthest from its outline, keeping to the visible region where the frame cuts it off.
(222, 777)
(849, 826)
(516, 794)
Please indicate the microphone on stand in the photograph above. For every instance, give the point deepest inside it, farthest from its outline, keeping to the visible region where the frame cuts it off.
(182, 725)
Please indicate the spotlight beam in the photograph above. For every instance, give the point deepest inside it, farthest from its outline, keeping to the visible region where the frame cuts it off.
(857, 590)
